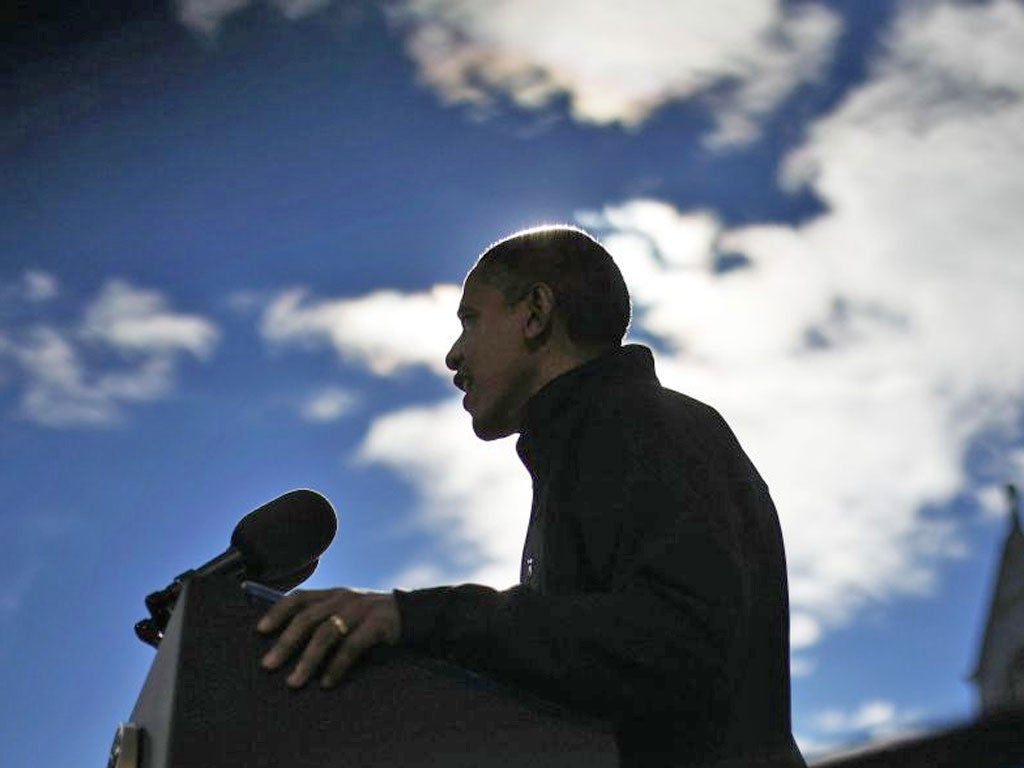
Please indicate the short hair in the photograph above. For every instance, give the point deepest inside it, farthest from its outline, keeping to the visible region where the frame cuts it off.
(590, 295)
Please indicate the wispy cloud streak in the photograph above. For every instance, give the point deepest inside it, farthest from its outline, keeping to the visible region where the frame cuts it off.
(206, 16)
(363, 329)
(125, 348)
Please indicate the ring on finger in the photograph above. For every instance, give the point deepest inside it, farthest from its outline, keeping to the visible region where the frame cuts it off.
(339, 624)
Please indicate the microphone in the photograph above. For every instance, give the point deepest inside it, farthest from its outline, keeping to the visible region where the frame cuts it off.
(276, 540)
(289, 581)
(278, 544)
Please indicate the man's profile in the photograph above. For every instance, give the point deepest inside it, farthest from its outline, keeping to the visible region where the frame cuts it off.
(653, 584)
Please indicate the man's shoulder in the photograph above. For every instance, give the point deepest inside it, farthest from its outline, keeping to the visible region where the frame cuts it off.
(650, 404)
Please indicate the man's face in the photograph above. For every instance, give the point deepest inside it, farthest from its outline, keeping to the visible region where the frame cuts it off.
(491, 361)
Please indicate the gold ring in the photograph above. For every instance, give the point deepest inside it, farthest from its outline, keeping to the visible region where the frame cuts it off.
(339, 624)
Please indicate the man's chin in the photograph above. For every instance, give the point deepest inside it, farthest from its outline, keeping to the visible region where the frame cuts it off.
(489, 431)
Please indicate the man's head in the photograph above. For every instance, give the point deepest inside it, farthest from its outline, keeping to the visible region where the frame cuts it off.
(591, 299)
(535, 305)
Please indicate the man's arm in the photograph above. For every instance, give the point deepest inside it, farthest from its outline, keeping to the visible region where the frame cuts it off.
(623, 654)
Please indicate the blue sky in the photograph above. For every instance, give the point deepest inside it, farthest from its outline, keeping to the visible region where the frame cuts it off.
(232, 239)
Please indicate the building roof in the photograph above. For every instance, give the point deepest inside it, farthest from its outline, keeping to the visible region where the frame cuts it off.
(1009, 582)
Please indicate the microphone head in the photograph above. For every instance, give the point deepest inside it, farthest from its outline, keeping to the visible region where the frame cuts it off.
(281, 539)
(285, 582)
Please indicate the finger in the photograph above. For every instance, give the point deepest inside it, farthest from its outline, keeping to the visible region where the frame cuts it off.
(359, 641)
(288, 606)
(301, 626)
(282, 610)
(325, 636)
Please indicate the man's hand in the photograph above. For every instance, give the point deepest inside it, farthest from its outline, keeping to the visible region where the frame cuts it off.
(329, 626)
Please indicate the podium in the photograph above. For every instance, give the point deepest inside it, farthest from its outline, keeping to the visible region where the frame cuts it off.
(207, 703)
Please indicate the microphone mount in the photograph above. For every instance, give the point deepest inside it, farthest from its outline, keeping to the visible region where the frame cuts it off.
(160, 604)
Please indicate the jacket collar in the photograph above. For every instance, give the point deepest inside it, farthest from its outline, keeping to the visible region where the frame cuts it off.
(544, 409)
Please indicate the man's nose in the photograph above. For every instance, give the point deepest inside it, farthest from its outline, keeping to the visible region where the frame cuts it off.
(454, 356)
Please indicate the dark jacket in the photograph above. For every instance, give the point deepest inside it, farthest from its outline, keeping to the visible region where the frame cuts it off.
(653, 586)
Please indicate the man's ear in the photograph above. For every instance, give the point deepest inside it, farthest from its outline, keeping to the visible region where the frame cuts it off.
(540, 313)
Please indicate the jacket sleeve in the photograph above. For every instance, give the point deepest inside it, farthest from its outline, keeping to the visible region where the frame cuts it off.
(660, 639)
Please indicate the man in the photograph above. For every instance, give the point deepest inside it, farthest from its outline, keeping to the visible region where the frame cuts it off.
(653, 584)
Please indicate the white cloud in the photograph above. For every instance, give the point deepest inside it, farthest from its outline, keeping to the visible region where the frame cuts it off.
(386, 330)
(40, 285)
(206, 16)
(327, 405)
(135, 320)
(33, 287)
(871, 714)
(793, 53)
(804, 630)
(801, 666)
(124, 350)
(879, 718)
(60, 391)
(475, 495)
(993, 499)
(815, 747)
(870, 725)
(421, 574)
(618, 63)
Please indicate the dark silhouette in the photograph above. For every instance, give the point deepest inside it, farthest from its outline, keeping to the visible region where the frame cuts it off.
(653, 588)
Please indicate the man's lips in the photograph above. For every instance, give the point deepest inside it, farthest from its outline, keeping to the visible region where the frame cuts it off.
(465, 383)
